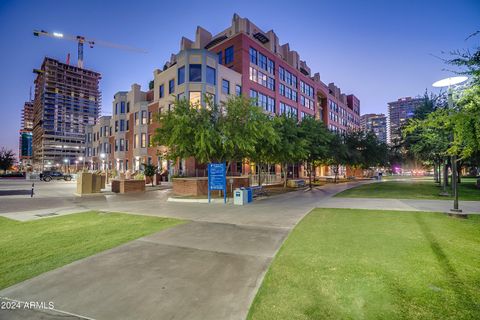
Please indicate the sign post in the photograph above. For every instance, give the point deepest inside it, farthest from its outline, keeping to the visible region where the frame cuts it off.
(217, 179)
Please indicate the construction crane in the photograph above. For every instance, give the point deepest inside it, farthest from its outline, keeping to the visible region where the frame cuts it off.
(81, 40)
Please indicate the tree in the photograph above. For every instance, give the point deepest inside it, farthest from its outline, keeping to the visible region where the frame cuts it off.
(291, 146)
(317, 138)
(212, 133)
(7, 158)
(337, 153)
(149, 171)
(151, 84)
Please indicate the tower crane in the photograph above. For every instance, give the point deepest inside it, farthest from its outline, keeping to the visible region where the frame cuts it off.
(81, 40)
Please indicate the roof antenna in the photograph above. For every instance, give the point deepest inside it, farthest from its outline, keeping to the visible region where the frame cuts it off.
(68, 58)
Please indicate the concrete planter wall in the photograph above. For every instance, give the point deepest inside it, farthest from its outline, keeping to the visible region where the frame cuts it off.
(128, 186)
(199, 186)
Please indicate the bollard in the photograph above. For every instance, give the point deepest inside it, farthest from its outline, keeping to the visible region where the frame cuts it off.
(33, 186)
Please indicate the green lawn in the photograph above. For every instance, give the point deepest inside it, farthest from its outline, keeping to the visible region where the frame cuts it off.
(373, 264)
(30, 248)
(411, 189)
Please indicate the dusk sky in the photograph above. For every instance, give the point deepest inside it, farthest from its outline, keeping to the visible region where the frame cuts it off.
(378, 50)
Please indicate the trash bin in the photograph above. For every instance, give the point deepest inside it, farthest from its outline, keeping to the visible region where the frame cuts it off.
(249, 195)
(239, 197)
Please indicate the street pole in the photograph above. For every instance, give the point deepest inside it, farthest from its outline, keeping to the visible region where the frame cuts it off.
(454, 160)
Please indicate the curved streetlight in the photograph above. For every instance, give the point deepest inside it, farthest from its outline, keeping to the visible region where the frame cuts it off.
(449, 83)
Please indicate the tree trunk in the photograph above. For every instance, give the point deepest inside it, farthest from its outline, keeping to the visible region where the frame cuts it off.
(435, 172)
(445, 175)
(309, 165)
(336, 173)
(284, 167)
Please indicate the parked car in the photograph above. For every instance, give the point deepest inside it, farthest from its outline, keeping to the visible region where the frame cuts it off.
(54, 175)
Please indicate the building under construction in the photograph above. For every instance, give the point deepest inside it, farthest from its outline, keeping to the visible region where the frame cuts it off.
(67, 99)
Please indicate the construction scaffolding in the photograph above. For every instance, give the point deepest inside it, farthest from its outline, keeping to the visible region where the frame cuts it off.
(67, 99)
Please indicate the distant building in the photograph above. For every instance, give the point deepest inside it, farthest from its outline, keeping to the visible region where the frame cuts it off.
(377, 123)
(25, 136)
(398, 112)
(67, 99)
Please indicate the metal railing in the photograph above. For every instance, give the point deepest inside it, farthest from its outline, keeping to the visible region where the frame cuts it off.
(267, 179)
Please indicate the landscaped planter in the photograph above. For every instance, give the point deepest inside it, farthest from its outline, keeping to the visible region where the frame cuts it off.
(199, 186)
(128, 186)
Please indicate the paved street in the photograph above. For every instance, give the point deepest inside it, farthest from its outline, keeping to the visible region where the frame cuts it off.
(209, 268)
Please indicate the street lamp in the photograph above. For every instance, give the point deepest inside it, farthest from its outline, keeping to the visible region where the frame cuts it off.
(66, 161)
(82, 159)
(449, 82)
(102, 156)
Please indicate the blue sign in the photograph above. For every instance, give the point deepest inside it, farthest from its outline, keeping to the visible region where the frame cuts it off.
(217, 179)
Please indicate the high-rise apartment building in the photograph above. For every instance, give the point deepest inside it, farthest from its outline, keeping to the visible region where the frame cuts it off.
(241, 60)
(25, 139)
(376, 123)
(398, 113)
(67, 99)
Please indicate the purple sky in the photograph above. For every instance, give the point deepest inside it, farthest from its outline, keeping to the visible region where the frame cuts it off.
(378, 50)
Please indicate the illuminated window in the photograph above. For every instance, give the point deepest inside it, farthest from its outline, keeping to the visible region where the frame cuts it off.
(195, 98)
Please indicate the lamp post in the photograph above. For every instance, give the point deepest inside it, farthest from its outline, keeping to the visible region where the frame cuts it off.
(66, 161)
(449, 82)
(82, 159)
(102, 156)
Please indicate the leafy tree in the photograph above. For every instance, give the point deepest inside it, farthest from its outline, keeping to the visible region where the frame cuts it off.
(151, 84)
(7, 158)
(337, 153)
(149, 171)
(316, 138)
(291, 146)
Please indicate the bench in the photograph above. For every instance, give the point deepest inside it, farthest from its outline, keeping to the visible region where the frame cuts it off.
(258, 191)
(296, 183)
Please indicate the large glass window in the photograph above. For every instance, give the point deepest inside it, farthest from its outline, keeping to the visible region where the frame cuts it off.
(195, 73)
(271, 66)
(211, 78)
(220, 57)
(238, 90)
(122, 125)
(122, 107)
(162, 91)
(195, 98)
(171, 86)
(144, 117)
(225, 86)
(229, 55)
(181, 75)
(144, 140)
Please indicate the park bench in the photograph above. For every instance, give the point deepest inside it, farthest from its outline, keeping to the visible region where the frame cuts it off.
(258, 191)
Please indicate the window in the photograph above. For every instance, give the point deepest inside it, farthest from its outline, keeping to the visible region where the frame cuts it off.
(225, 86)
(171, 86)
(144, 117)
(195, 98)
(253, 56)
(288, 110)
(116, 108)
(181, 96)
(126, 144)
(238, 90)
(137, 120)
(181, 75)
(144, 140)
(262, 61)
(122, 144)
(116, 145)
(135, 141)
(281, 73)
(122, 125)
(220, 57)
(116, 125)
(229, 55)
(195, 73)
(150, 119)
(122, 107)
(211, 79)
(128, 107)
(127, 127)
(271, 66)
(271, 83)
(162, 91)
